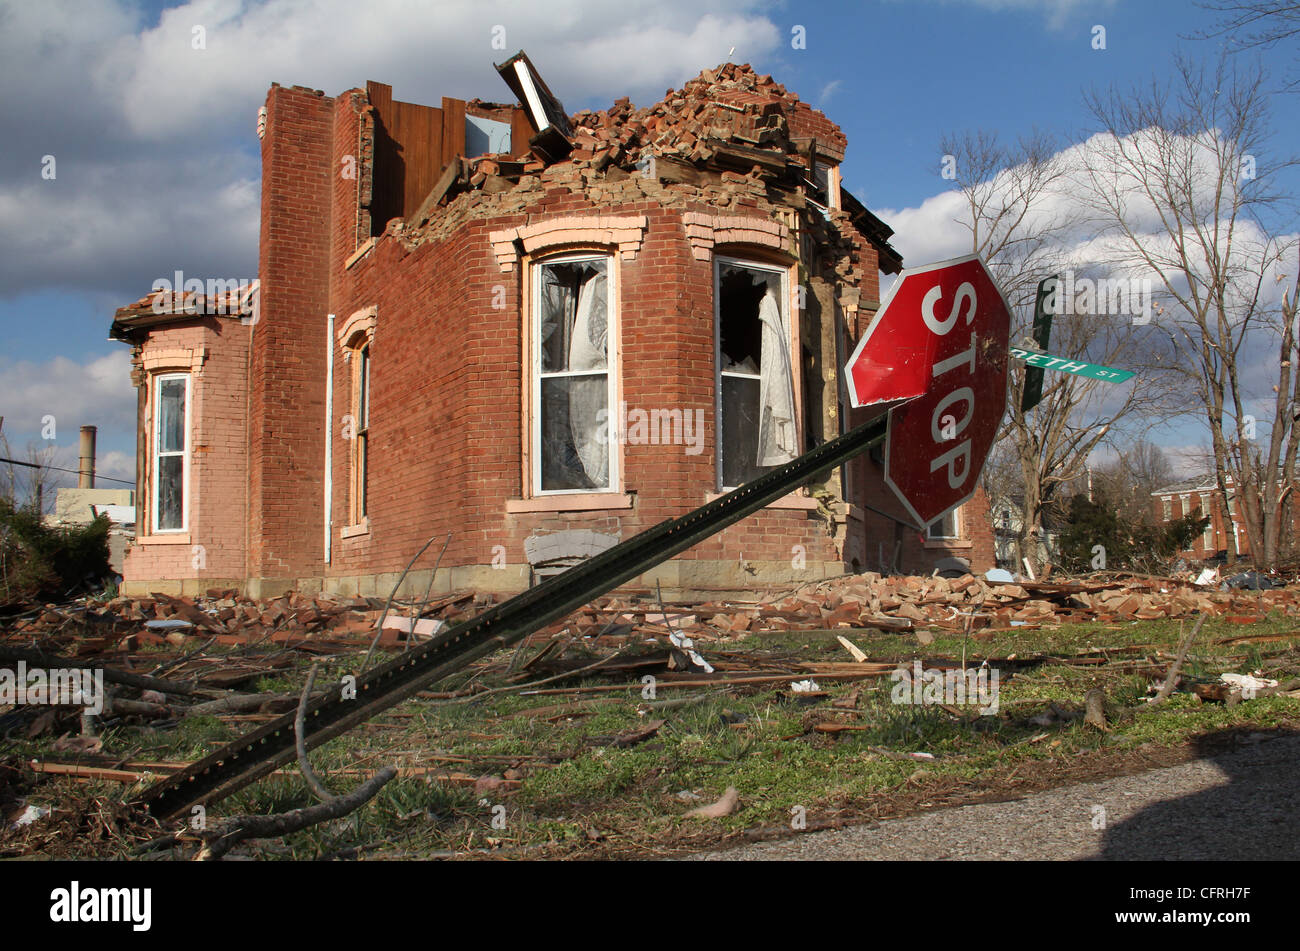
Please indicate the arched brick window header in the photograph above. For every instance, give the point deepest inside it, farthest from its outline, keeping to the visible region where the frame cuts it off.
(358, 330)
(705, 231)
(626, 232)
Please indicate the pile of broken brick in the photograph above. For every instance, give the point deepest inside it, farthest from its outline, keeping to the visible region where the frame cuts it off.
(904, 603)
(323, 625)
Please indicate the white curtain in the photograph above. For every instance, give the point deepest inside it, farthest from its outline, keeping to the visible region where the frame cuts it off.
(776, 432)
(587, 394)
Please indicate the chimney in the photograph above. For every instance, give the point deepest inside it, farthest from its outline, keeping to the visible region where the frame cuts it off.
(86, 464)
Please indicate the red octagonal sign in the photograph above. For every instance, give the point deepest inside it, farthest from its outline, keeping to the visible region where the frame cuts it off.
(940, 342)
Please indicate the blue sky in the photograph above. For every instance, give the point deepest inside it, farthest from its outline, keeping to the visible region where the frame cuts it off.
(157, 159)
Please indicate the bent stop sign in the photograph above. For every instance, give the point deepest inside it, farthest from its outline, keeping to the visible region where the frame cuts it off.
(940, 342)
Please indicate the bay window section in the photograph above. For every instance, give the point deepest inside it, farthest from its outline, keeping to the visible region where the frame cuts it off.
(755, 383)
(573, 436)
(170, 463)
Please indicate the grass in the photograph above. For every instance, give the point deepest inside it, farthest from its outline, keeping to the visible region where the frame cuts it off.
(582, 796)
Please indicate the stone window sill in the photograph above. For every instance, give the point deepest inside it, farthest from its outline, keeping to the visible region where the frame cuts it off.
(359, 253)
(577, 502)
(166, 538)
(949, 543)
(355, 531)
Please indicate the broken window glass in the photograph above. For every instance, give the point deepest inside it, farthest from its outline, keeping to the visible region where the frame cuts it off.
(169, 453)
(756, 382)
(573, 352)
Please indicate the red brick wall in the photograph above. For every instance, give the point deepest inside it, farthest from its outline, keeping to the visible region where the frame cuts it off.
(447, 376)
(286, 443)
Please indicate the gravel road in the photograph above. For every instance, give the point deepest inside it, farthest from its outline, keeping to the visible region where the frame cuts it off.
(1238, 805)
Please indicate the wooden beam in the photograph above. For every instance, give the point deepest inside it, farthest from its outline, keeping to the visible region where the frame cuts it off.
(450, 175)
(453, 129)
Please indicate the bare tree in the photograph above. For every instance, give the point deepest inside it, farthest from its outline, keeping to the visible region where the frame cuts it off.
(1139, 469)
(1255, 24)
(38, 479)
(1180, 177)
(1018, 209)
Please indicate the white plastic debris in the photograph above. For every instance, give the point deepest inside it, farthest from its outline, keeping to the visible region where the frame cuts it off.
(30, 815)
(168, 624)
(999, 576)
(1247, 684)
(686, 646)
(1207, 577)
(805, 686)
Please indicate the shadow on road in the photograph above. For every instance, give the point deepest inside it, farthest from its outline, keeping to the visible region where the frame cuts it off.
(1250, 816)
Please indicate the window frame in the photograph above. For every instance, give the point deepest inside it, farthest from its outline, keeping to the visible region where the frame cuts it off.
(359, 454)
(792, 342)
(955, 514)
(155, 453)
(612, 371)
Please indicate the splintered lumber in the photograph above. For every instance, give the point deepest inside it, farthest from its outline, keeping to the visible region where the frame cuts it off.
(852, 648)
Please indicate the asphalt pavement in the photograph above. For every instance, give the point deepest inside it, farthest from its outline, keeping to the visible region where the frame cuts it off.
(1237, 805)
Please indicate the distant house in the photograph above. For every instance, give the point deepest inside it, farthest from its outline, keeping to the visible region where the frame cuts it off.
(538, 333)
(1008, 524)
(1200, 495)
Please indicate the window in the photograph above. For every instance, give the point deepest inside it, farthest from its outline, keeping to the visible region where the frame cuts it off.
(1166, 508)
(171, 445)
(824, 186)
(755, 383)
(355, 338)
(1207, 540)
(360, 449)
(945, 527)
(573, 388)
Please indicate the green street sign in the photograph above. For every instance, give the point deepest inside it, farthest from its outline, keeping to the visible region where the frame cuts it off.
(1096, 371)
(1032, 392)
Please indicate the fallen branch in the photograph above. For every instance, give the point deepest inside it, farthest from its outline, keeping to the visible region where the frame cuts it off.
(1172, 679)
(1094, 703)
(318, 787)
(379, 630)
(221, 839)
(113, 676)
(240, 703)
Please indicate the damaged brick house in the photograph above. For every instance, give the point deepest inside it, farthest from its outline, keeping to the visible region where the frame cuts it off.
(538, 333)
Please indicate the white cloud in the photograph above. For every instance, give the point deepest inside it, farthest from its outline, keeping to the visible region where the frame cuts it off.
(164, 86)
(155, 144)
(95, 393)
(1055, 12)
(934, 231)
